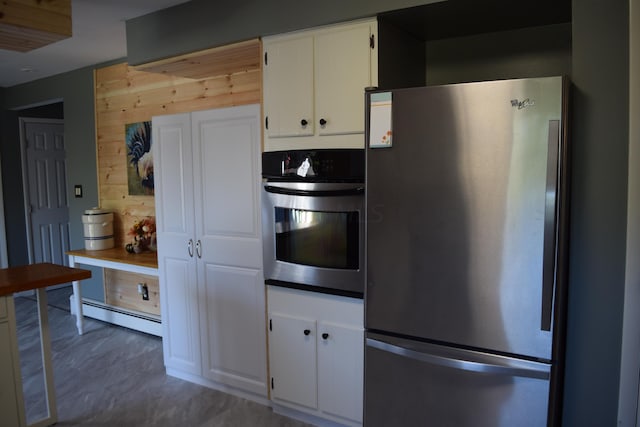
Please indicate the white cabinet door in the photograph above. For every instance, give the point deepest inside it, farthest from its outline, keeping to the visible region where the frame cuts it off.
(174, 196)
(8, 396)
(292, 358)
(11, 399)
(288, 87)
(340, 370)
(233, 347)
(343, 69)
(229, 246)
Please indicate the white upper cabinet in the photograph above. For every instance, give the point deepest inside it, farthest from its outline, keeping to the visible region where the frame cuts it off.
(314, 84)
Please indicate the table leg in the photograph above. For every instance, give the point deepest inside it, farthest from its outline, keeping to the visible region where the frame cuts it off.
(45, 343)
(77, 300)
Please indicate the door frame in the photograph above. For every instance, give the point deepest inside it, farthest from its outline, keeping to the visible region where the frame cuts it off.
(25, 177)
(4, 255)
(629, 385)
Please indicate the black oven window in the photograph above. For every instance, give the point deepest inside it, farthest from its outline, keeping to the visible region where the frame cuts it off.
(320, 239)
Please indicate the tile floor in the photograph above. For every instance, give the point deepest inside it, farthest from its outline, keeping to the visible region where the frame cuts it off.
(113, 376)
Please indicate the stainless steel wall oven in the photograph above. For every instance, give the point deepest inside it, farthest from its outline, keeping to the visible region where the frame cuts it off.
(313, 220)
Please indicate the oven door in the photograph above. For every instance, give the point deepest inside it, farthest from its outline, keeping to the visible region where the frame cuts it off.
(314, 236)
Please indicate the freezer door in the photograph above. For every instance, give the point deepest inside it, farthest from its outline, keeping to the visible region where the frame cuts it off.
(461, 216)
(416, 384)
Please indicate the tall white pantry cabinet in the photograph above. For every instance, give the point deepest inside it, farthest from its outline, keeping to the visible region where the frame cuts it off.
(207, 193)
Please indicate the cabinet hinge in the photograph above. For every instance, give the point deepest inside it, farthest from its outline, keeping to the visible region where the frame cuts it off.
(266, 122)
(266, 61)
(372, 41)
(270, 325)
(271, 383)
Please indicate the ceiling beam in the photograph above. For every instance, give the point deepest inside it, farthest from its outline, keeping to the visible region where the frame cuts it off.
(29, 24)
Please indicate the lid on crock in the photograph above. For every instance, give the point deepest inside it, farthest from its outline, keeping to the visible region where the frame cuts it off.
(96, 211)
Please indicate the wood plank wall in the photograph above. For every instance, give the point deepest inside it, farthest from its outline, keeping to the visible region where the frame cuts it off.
(125, 95)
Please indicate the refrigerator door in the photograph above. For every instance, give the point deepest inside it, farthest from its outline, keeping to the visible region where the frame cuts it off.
(461, 216)
(448, 387)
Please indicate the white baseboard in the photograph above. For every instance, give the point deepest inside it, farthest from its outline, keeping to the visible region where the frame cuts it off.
(218, 386)
(117, 316)
(317, 421)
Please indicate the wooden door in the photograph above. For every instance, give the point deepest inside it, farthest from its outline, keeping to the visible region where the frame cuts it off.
(47, 206)
(229, 246)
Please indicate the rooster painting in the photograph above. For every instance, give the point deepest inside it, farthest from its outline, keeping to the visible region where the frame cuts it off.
(140, 158)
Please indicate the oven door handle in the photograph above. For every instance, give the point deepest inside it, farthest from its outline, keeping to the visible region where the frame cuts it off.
(314, 193)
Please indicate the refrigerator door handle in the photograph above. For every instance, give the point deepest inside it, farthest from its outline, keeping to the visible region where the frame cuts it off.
(525, 368)
(550, 215)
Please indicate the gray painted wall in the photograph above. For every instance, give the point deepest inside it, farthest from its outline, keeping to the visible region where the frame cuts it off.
(13, 190)
(628, 405)
(599, 71)
(76, 90)
(598, 220)
(201, 24)
(528, 52)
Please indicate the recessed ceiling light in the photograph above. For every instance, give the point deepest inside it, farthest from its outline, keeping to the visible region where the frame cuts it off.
(28, 69)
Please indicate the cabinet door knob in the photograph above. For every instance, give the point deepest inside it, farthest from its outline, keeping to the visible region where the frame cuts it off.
(323, 122)
(307, 331)
(325, 336)
(190, 248)
(304, 122)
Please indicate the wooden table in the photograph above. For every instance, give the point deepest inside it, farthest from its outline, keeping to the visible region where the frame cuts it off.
(38, 277)
(115, 258)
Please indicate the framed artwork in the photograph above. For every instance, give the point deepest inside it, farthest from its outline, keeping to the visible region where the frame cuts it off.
(139, 158)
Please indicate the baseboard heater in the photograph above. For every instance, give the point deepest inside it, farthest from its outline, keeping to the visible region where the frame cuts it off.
(131, 319)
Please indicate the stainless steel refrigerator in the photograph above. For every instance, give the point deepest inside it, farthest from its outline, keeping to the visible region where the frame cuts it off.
(466, 194)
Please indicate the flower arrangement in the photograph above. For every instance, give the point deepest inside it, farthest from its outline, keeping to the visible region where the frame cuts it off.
(144, 235)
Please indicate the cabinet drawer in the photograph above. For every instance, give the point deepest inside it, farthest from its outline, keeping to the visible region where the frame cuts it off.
(3, 308)
(341, 310)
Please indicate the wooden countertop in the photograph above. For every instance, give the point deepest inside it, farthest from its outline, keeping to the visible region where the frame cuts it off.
(144, 259)
(34, 276)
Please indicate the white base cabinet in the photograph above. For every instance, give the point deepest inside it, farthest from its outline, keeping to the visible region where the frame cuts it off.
(11, 400)
(314, 82)
(207, 177)
(316, 353)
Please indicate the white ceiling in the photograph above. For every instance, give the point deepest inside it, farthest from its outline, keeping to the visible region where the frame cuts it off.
(98, 35)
